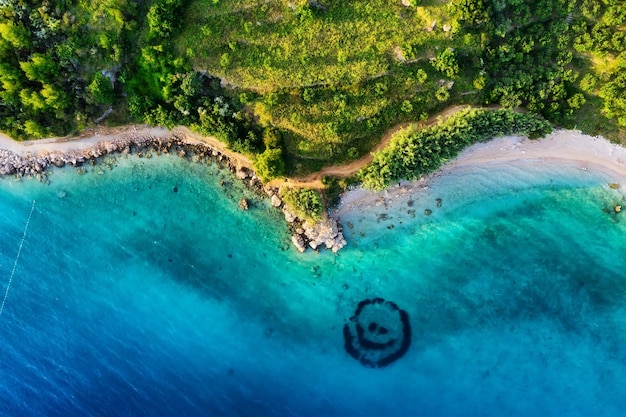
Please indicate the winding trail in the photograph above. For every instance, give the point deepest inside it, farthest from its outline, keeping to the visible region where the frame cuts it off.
(314, 180)
(89, 137)
(240, 160)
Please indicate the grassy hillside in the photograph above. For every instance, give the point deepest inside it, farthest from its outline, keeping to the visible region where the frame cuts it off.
(303, 83)
(333, 75)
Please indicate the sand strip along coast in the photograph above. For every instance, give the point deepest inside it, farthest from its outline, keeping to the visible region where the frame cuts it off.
(566, 148)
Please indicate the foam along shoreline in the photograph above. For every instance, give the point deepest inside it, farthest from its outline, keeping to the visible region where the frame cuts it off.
(562, 148)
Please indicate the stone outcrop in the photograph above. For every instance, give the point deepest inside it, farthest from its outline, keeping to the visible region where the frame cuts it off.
(299, 242)
(326, 232)
(289, 216)
(276, 201)
(242, 174)
(322, 234)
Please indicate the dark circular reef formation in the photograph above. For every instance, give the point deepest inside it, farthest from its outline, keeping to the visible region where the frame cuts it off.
(378, 334)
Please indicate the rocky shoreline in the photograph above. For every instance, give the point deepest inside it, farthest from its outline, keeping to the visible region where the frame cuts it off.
(325, 233)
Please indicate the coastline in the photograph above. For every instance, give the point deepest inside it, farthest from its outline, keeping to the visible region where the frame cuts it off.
(562, 148)
(33, 158)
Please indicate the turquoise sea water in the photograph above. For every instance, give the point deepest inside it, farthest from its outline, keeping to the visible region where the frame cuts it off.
(144, 290)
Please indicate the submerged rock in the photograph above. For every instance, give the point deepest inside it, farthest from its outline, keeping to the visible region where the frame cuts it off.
(326, 232)
(378, 334)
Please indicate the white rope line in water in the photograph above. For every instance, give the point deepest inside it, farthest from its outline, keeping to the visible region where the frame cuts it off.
(19, 251)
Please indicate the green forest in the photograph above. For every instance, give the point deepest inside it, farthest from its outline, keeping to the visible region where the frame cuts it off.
(299, 84)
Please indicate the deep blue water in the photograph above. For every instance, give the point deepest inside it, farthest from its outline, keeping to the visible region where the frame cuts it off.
(145, 291)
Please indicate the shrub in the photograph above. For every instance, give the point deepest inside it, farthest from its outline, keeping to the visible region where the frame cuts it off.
(101, 88)
(306, 203)
(269, 164)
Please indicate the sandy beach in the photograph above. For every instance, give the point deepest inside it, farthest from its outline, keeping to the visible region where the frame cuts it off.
(90, 137)
(562, 148)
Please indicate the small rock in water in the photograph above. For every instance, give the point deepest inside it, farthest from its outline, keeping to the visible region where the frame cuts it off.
(241, 174)
(438, 202)
(614, 185)
(428, 212)
(243, 204)
(61, 194)
(618, 208)
(276, 201)
(298, 242)
(176, 188)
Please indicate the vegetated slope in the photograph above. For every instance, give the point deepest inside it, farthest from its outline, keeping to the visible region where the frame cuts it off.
(56, 61)
(333, 75)
(414, 152)
(305, 83)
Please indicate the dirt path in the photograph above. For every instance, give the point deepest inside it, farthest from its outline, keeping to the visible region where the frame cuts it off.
(91, 136)
(314, 180)
(84, 139)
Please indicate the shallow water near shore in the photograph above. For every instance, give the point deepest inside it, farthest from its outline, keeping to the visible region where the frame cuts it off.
(145, 290)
